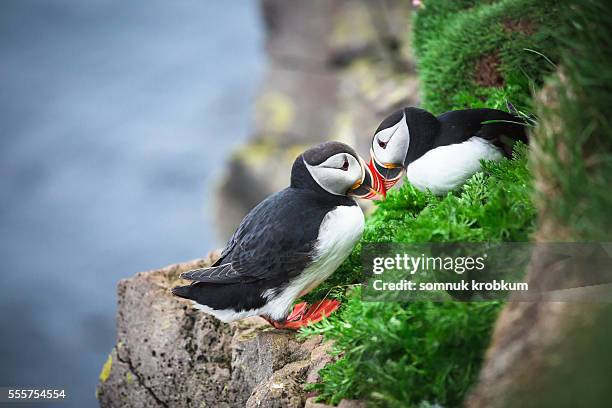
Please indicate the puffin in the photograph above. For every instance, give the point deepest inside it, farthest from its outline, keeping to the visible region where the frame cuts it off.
(289, 243)
(440, 153)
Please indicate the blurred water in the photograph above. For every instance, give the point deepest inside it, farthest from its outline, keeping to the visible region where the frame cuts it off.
(115, 117)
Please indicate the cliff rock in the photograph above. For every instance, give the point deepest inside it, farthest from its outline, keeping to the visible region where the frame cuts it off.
(169, 354)
(547, 353)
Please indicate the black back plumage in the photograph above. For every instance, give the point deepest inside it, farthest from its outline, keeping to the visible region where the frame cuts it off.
(503, 129)
(273, 244)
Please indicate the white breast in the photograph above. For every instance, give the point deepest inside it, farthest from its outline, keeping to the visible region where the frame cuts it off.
(340, 230)
(448, 167)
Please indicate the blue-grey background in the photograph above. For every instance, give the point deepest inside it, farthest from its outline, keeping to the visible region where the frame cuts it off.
(115, 119)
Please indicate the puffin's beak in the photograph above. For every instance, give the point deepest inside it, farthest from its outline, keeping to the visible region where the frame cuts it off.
(370, 186)
(388, 174)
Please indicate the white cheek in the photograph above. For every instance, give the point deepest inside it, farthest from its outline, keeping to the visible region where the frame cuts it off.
(336, 181)
(382, 155)
(354, 173)
(333, 181)
(397, 147)
(398, 140)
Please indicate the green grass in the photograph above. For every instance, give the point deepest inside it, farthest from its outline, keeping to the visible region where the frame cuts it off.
(403, 354)
(495, 205)
(452, 39)
(412, 355)
(400, 356)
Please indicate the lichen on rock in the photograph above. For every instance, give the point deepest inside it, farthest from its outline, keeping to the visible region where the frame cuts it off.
(106, 369)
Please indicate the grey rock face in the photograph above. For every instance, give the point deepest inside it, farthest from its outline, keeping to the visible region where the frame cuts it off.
(169, 354)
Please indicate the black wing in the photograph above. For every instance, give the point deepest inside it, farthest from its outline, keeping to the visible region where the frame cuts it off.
(275, 240)
(500, 128)
(221, 273)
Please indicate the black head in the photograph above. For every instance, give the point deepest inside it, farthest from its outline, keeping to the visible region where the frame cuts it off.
(333, 168)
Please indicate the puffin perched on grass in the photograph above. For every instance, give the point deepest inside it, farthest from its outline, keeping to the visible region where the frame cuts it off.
(289, 243)
(441, 153)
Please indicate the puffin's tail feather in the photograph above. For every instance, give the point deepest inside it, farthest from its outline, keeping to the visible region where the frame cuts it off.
(221, 297)
(184, 292)
(214, 296)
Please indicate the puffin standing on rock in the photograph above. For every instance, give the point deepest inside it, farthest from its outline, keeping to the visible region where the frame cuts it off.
(289, 243)
(441, 153)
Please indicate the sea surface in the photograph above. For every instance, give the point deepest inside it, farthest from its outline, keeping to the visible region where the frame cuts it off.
(116, 118)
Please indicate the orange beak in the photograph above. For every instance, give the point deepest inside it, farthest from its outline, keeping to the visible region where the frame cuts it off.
(370, 186)
(387, 183)
(378, 182)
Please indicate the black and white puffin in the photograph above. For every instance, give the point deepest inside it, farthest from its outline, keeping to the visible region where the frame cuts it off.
(441, 153)
(289, 243)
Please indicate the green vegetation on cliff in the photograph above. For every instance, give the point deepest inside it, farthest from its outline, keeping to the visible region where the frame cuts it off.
(393, 353)
(474, 53)
(470, 54)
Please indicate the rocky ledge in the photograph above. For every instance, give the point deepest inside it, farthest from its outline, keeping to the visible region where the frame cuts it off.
(169, 354)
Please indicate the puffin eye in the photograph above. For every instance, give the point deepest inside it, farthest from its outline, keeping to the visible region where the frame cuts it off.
(382, 144)
(345, 165)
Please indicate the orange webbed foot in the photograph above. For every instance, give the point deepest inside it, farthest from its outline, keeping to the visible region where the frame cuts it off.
(302, 316)
(298, 312)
